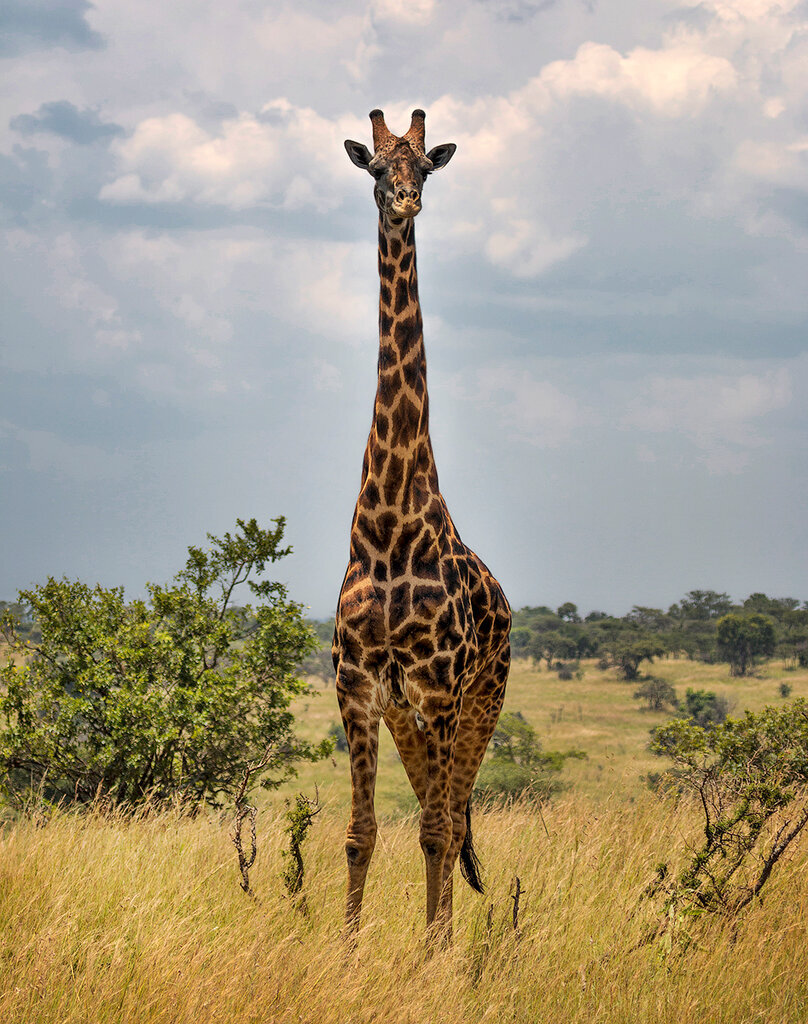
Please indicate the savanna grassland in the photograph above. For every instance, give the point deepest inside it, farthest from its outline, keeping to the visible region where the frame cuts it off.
(104, 919)
(596, 713)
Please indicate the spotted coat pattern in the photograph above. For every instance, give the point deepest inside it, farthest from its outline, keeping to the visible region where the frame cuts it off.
(422, 626)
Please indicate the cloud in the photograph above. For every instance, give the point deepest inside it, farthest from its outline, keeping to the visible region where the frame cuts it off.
(49, 454)
(209, 281)
(63, 276)
(720, 414)
(283, 157)
(410, 12)
(25, 180)
(518, 10)
(27, 25)
(66, 120)
(531, 409)
(677, 79)
(524, 247)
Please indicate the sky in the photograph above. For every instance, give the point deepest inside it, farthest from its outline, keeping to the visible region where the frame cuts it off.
(612, 272)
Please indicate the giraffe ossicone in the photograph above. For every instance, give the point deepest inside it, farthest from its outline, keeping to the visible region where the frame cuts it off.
(422, 627)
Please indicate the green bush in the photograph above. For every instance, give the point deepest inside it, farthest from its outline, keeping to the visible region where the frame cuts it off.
(517, 765)
(705, 708)
(166, 698)
(657, 693)
(336, 733)
(751, 778)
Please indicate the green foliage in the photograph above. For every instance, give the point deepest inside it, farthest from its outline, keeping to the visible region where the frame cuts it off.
(336, 733)
(628, 648)
(520, 640)
(319, 662)
(167, 698)
(742, 638)
(750, 775)
(701, 605)
(785, 690)
(299, 818)
(705, 708)
(517, 765)
(20, 615)
(657, 693)
(568, 612)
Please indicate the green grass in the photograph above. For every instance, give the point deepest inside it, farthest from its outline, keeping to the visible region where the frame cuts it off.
(596, 713)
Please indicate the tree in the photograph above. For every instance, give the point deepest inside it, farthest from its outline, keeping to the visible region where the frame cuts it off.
(701, 605)
(742, 638)
(169, 697)
(552, 646)
(520, 640)
(657, 693)
(792, 633)
(627, 649)
(751, 779)
(653, 620)
(568, 612)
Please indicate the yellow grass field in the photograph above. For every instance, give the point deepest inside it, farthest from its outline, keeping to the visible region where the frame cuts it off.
(105, 920)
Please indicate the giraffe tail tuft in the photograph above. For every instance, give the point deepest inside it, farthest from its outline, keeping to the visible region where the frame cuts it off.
(469, 861)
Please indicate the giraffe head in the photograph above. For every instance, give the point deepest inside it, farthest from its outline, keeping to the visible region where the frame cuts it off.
(399, 164)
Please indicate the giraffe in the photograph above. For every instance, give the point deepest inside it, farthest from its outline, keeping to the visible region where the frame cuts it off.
(422, 627)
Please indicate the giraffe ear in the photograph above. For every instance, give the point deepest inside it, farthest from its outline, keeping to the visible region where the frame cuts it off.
(358, 153)
(441, 155)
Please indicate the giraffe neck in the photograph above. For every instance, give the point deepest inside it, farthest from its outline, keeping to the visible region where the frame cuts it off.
(399, 452)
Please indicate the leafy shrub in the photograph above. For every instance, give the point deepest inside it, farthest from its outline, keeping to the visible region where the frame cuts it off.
(705, 708)
(785, 690)
(170, 697)
(751, 777)
(517, 765)
(336, 733)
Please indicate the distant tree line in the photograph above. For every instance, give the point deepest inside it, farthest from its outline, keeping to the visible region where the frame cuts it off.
(704, 626)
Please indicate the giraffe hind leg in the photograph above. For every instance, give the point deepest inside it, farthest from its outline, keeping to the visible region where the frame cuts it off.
(482, 703)
(411, 745)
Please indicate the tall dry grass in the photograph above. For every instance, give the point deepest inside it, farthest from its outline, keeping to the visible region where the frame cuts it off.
(107, 920)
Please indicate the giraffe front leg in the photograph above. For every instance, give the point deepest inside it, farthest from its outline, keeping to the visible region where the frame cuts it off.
(362, 732)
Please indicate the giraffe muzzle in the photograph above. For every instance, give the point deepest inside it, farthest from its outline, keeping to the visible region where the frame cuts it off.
(406, 202)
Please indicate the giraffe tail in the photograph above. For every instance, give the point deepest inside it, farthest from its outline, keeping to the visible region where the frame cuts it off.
(469, 862)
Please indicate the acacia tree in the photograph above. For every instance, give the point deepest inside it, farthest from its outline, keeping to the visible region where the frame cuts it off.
(171, 696)
(742, 638)
(628, 648)
(750, 776)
